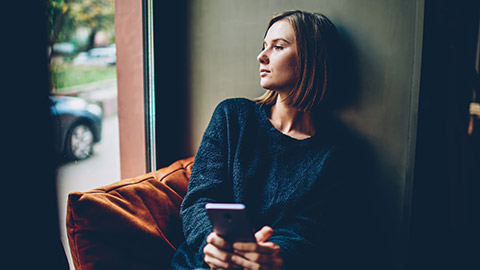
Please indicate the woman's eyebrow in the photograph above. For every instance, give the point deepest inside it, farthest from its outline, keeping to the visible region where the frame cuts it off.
(278, 39)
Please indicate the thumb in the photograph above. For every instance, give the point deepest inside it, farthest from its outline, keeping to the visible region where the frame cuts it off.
(263, 234)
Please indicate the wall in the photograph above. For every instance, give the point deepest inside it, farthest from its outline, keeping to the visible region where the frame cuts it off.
(30, 219)
(385, 37)
(446, 194)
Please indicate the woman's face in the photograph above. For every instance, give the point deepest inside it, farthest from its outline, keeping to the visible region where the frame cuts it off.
(278, 59)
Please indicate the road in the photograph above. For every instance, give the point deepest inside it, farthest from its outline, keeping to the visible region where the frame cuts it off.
(102, 168)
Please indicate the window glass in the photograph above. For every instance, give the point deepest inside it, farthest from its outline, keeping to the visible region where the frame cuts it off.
(82, 62)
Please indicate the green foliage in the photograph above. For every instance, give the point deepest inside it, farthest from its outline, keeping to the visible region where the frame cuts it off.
(65, 16)
(59, 25)
(67, 75)
(94, 14)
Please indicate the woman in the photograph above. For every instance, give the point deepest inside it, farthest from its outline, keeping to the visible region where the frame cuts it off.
(280, 155)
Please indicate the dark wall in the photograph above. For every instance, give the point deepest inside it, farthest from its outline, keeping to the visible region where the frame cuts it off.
(171, 80)
(445, 208)
(30, 226)
(385, 41)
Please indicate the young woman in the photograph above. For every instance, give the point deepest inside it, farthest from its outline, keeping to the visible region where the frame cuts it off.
(281, 155)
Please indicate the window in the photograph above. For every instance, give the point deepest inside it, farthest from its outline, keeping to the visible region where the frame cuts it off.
(82, 62)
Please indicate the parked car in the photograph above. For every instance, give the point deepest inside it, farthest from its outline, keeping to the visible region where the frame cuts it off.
(77, 126)
(100, 56)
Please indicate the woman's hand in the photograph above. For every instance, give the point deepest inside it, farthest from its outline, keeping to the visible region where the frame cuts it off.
(218, 253)
(259, 255)
(251, 256)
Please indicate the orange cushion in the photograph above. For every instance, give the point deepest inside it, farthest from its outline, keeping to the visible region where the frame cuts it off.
(131, 224)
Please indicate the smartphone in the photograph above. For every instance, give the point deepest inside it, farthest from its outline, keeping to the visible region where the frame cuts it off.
(229, 220)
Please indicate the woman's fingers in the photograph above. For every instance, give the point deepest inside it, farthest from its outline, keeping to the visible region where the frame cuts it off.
(263, 234)
(217, 254)
(257, 256)
(215, 263)
(265, 248)
(218, 258)
(218, 241)
(262, 259)
(254, 262)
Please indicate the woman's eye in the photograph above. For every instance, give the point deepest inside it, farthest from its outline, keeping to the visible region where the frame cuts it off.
(278, 47)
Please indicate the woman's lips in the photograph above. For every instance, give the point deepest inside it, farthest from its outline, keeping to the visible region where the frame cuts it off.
(264, 72)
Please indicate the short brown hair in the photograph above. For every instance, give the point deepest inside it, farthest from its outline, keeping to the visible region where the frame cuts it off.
(316, 40)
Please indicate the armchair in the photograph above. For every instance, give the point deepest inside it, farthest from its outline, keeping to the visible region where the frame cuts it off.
(130, 224)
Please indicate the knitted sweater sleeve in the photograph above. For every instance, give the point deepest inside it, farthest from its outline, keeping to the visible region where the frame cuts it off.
(208, 181)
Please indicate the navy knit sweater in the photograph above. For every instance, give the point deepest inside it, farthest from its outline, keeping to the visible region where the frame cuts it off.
(306, 190)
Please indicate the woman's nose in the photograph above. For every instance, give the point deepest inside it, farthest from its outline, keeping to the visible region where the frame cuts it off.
(262, 57)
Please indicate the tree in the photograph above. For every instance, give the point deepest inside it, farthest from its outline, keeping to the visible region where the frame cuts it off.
(95, 14)
(57, 15)
(65, 16)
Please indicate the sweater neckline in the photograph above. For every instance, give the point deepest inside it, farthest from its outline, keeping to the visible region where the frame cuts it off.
(275, 133)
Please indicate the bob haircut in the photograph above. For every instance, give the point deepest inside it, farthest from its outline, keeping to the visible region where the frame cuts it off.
(317, 41)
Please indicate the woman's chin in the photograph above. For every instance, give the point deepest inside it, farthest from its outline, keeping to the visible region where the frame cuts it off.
(266, 85)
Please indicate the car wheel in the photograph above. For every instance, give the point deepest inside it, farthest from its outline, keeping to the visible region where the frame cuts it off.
(79, 144)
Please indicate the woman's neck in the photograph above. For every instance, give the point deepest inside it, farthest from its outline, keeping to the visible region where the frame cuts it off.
(290, 121)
